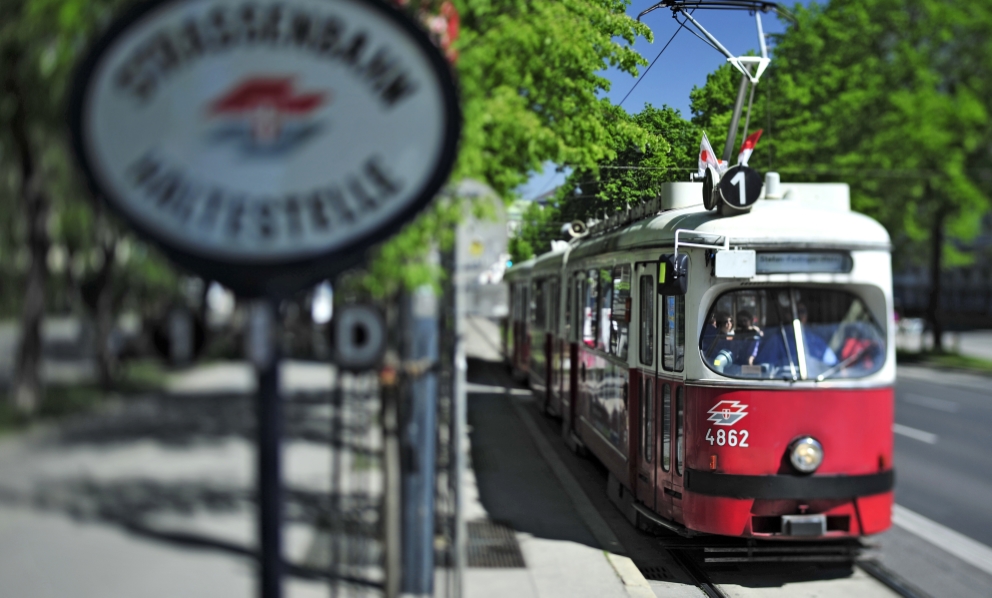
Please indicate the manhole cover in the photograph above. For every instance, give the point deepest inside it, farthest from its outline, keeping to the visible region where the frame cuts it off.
(656, 573)
(494, 546)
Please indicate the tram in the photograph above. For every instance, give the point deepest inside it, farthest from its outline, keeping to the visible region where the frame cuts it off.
(732, 369)
(516, 333)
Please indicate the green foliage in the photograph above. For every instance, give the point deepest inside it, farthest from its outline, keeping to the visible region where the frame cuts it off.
(891, 96)
(657, 146)
(895, 97)
(40, 44)
(538, 227)
(712, 105)
(531, 88)
(531, 93)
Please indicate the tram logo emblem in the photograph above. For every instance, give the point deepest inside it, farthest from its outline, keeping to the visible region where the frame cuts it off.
(266, 116)
(727, 413)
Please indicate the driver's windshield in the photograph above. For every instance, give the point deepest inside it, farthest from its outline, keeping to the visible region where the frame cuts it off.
(791, 334)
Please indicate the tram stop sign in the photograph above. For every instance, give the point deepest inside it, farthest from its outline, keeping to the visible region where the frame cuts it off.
(265, 144)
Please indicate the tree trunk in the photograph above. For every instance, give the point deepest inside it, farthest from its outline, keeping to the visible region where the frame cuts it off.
(106, 356)
(27, 385)
(934, 316)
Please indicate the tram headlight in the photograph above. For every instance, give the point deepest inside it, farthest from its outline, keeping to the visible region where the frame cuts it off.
(806, 454)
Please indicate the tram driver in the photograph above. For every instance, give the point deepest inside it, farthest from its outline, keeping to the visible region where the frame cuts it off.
(840, 339)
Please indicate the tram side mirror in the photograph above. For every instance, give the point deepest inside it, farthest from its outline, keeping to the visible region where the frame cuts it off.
(673, 274)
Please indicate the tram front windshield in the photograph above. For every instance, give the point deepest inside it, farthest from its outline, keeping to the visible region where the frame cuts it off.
(792, 334)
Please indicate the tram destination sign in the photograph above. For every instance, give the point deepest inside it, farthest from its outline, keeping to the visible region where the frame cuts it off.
(265, 144)
(804, 263)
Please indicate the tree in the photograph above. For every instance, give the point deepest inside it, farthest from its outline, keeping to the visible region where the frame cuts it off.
(39, 41)
(531, 85)
(893, 97)
(531, 93)
(540, 224)
(712, 105)
(657, 146)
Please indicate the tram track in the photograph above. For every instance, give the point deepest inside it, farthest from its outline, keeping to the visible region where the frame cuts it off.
(891, 580)
(696, 573)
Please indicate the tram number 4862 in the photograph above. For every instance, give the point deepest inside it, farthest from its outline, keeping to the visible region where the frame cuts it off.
(725, 437)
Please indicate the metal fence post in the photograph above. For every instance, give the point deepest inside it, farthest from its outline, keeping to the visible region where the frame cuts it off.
(419, 429)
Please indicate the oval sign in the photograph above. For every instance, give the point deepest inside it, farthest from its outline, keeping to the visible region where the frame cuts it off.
(265, 144)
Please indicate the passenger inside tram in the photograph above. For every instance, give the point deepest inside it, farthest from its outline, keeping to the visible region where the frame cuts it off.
(718, 336)
(792, 334)
(748, 338)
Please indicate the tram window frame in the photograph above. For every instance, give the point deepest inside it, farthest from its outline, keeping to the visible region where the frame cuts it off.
(578, 295)
(540, 318)
(673, 333)
(604, 310)
(645, 340)
(567, 330)
(679, 430)
(648, 416)
(590, 303)
(554, 304)
(619, 316)
(832, 321)
(666, 427)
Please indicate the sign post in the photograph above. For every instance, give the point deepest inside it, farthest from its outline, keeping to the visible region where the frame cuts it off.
(265, 144)
(263, 353)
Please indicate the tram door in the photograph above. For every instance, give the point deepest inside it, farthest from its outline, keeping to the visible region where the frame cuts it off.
(647, 371)
(671, 388)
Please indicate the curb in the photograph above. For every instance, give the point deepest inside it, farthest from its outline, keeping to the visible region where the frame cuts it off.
(634, 582)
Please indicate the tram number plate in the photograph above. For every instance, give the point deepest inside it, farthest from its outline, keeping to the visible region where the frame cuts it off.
(727, 437)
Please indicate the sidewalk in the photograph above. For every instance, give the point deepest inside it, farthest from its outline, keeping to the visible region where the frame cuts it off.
(152, 497)
(513, 485)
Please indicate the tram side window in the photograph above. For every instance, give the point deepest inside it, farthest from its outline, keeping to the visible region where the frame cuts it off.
(673, 339)
(590, 318)
(555, 298)
(679, 430)
(647, 416)
(666, 427)
(567, 332)
(792, 334)
(519, 303)
(578, 296)
(648, 291)
(605, 309)
(619, 321)
(540, 305)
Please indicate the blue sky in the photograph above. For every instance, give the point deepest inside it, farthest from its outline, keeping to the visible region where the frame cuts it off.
(684, 65)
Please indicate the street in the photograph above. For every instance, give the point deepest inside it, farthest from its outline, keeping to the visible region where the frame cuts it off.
(151, 497)
(942, 448)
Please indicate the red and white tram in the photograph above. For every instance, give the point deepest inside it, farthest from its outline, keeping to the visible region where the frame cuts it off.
(733, 372)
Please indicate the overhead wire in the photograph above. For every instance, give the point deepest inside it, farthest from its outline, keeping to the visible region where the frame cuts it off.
(644, 74)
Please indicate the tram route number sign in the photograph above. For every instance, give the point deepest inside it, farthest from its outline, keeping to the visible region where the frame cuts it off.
(265, 144)
(740, 188)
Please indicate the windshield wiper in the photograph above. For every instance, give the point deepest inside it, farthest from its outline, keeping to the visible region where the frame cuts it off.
(840, 366)
(792, 364)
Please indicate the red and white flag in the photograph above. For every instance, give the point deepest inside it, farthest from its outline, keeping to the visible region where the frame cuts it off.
(707, 157)
(748, 147)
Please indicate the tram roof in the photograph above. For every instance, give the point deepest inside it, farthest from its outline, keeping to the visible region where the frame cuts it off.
(806, 219)
(518, 271)
(550, 261)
